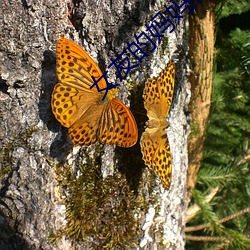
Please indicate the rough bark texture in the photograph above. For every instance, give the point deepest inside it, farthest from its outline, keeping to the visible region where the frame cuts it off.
(32, 142)
(201, 41)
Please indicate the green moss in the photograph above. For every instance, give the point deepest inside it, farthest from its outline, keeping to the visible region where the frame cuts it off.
(19, 140)
(164, 41)
(131, 84)
(28, 133)
(105, 212)
(5, 161)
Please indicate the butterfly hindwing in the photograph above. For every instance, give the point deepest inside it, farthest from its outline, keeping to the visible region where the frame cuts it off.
(85, 130)
(118, 125)
(156, 154)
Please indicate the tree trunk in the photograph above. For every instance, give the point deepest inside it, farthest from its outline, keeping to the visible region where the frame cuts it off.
(201, 42)
(54, 196)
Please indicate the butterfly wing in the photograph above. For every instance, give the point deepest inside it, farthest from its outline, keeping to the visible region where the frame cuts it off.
(80, 108)
(156, 154)
(117, 125)
(85, 130)
(72, 96)
(75, 67)
(69, 104)
(158, 93)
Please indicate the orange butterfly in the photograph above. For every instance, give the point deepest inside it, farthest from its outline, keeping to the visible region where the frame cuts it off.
(81, 109)
(158, 93)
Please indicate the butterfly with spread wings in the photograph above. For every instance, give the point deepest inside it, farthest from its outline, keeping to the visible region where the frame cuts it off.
(158, 94)
(81, 109)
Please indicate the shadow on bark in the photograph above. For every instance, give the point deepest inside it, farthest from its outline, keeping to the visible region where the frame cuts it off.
(9, 239)
(61, 145)
(131, 163)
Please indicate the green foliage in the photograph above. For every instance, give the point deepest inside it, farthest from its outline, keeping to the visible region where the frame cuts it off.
(226, 153)
(207, 211)
(230, 7)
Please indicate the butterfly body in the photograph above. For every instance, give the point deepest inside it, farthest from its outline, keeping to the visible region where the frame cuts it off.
(158, 93)
(81, 109)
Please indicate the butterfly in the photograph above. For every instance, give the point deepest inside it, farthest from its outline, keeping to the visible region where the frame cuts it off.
(157, 95)
(81, 109)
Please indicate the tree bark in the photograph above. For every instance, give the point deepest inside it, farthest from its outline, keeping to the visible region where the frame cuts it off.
(201, 42)
(54, 196)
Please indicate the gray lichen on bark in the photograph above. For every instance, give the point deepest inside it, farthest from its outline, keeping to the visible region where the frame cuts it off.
(32, 142)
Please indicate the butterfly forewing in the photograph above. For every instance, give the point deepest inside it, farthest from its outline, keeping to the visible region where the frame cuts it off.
(63, 106)
(166, 87)
(75, 67)
(158, 92)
